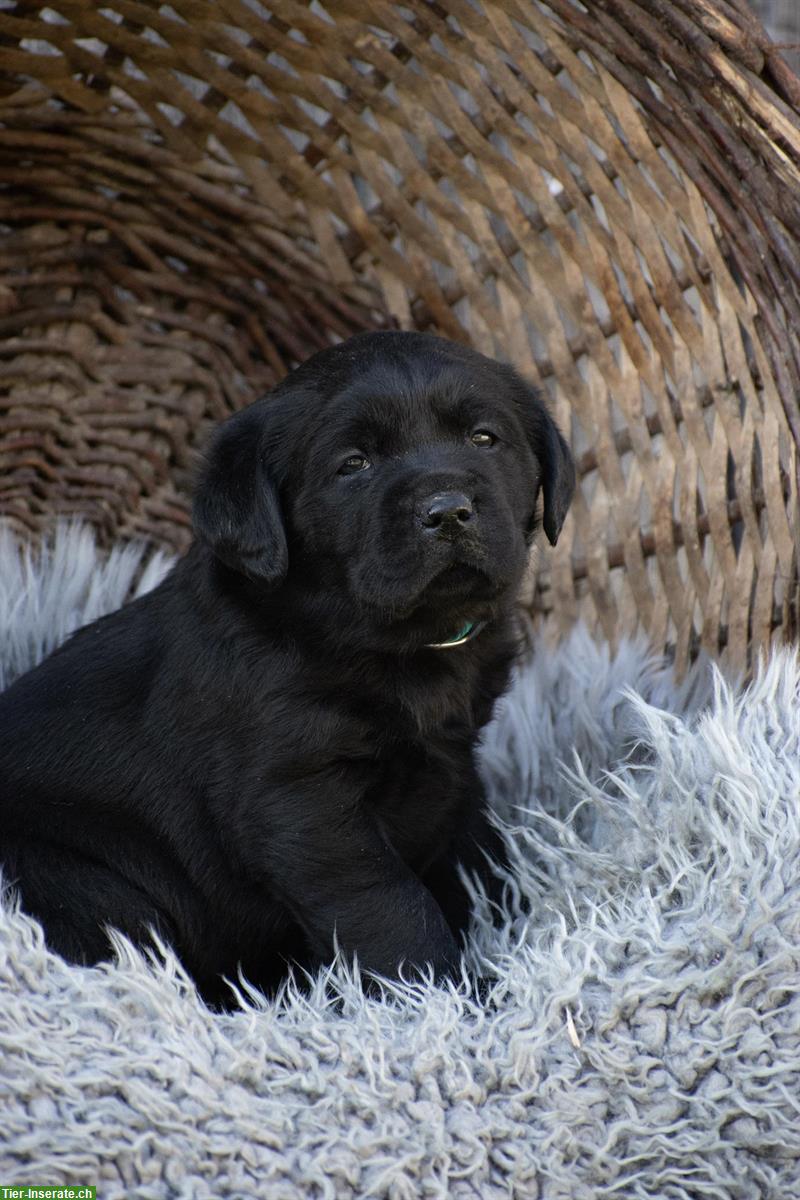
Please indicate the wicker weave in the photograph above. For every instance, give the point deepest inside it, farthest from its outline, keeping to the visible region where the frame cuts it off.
(195, 196)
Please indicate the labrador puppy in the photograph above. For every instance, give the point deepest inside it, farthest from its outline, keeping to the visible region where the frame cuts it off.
(274, 750)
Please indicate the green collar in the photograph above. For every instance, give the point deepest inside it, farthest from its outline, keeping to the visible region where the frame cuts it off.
(470, 630)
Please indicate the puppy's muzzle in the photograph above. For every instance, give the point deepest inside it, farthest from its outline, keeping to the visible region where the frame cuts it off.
(445, 514)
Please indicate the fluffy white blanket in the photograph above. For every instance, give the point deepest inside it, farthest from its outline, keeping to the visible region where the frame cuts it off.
(642, 1034)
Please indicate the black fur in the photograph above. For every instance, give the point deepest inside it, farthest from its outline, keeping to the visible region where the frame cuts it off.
(265, 750)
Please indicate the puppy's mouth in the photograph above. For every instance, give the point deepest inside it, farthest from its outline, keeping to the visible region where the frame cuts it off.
(449, 585)
(459, 591)
(461, 579)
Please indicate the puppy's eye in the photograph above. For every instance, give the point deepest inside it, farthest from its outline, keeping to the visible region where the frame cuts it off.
(482, 437)
(354, 463)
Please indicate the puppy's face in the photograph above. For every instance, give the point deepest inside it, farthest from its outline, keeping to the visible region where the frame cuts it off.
(398, 471)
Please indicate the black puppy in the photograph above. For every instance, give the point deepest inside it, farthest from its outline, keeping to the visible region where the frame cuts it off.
(277, 744)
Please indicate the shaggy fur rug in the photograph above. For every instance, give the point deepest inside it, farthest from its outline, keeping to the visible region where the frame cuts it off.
(641, 1033)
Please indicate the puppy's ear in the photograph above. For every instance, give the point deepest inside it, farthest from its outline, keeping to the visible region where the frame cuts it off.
(236, 510)
(555, 461)
(558, 479)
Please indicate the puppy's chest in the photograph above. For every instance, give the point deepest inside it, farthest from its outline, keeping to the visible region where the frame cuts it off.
(420, 794)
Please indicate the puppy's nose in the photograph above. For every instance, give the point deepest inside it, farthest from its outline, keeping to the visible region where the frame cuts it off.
(446, 510)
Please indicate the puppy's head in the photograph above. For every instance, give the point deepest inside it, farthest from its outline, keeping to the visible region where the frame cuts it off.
(398, 471)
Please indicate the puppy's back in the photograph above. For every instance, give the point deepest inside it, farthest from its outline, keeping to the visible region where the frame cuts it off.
(67, 726)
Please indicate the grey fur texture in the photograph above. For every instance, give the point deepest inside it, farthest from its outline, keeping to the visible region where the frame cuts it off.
(642, 1035)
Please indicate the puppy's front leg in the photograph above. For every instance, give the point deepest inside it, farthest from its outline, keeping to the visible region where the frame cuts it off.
(319, 850)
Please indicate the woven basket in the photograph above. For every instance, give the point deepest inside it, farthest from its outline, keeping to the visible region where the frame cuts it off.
(196, 196)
